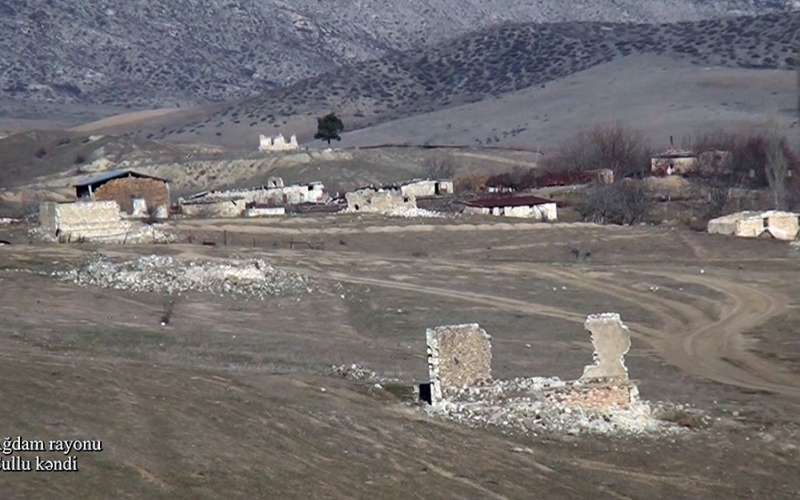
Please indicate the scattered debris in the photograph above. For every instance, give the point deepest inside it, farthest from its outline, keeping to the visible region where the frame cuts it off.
(413, 212)
(164, 274)
(357, 372)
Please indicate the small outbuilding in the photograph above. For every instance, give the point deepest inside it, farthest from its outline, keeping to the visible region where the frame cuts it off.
(529, 207)
(770, 224)
(136, 193)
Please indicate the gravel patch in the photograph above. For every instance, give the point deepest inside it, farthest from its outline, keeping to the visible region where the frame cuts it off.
(252, 278)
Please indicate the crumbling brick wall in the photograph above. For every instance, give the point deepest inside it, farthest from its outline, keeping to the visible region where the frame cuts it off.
(154, 192)
(458, 356)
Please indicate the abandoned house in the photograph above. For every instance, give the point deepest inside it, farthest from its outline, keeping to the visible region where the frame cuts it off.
(234, 202)
(379, 199)
(675, 162)
(529, 207)
(136, 193)
(769, 224)
(420, 188)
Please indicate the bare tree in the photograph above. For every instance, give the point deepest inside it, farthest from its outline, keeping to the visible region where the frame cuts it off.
(777, 164)
(624, 202)
(623, 150)
(440, 166)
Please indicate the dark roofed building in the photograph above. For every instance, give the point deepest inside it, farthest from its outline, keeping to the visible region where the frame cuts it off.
(530, 207)
(123, 186)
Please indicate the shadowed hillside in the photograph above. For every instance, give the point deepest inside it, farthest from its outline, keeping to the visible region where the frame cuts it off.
(162, 53)
(486, 63)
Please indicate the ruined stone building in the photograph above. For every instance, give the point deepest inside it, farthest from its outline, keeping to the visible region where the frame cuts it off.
(771, 224)
(82, 219)
(379, 200)
(677, 162)
(235, 202)
(529, 207)
(427, 187)
(277, 143)
(134, 192)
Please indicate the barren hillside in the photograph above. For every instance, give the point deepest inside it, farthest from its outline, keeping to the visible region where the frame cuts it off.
(490, 62)
(162, 53)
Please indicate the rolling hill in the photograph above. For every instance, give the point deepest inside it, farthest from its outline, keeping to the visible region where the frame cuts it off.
(485, 64)
(157, 53)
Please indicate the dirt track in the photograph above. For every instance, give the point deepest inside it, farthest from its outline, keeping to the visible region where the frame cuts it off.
(689, 339)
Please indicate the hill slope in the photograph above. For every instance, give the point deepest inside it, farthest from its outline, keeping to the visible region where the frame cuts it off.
(162, 53)
(490, 62)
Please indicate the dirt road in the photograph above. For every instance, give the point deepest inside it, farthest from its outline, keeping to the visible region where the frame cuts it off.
(687, 338)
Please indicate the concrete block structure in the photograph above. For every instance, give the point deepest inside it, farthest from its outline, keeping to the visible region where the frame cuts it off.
(458, 356)
(772, 224)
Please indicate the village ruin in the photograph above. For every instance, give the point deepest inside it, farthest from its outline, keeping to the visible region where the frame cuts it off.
(768, 224)
(277, 143)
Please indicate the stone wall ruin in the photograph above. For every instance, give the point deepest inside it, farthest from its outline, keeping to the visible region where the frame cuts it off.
(459, 356)
(277, 143)
(380, 200)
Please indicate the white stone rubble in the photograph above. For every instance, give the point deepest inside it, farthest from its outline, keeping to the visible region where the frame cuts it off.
(165, 274)
(519, 406)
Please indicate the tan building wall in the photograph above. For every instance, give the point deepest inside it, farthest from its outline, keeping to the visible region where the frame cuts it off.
(154, 192)
(427, 188)
(782, 225)
(458, 356)
(371, 201)
(83, 219)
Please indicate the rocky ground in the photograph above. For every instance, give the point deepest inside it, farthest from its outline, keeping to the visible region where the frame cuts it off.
(146, 53)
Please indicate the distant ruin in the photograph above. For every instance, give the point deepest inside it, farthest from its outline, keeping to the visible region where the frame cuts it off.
(277, 143)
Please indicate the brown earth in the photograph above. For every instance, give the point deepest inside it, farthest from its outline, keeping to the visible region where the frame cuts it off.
(228, 398)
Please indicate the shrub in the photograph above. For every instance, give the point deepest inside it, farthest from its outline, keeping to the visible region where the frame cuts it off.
(440, 166)
(623, 202)
(623, 150)
(471, 182)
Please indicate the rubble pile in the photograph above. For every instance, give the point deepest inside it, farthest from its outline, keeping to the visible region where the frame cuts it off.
(164, 274)
(522, 405)
(413, 212)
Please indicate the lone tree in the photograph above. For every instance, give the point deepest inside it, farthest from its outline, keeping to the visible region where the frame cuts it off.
(329, 127)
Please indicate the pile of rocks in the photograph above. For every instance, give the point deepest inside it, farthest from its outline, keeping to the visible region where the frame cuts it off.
(164, 274)
(413, 213)
(522, 405)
